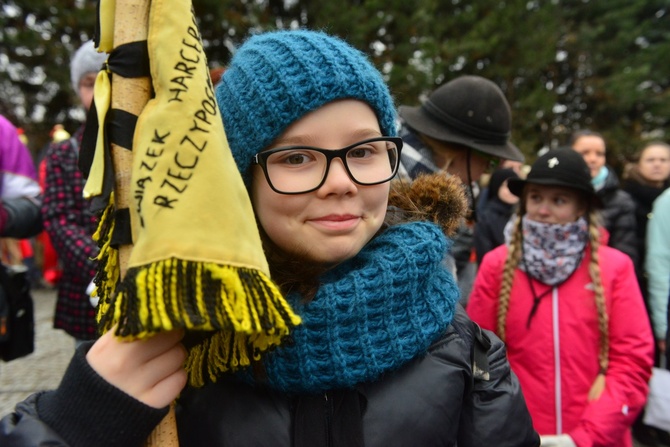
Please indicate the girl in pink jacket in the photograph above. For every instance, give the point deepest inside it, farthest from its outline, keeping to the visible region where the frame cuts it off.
(569, 309)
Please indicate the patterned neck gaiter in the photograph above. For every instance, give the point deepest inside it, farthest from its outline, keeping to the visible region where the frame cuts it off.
(552, 252)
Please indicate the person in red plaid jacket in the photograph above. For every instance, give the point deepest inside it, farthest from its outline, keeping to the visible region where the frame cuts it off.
(67, 218)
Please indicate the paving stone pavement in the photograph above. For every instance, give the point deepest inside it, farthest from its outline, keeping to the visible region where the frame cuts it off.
(43, 368)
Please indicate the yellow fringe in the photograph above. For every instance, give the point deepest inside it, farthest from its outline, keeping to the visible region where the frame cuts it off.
(107, 275)
(240, 311)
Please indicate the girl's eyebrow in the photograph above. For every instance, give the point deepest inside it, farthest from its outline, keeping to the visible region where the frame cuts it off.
(309, 139)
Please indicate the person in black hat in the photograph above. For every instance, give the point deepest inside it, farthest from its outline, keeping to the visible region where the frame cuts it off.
(569, 309)
(463, 128)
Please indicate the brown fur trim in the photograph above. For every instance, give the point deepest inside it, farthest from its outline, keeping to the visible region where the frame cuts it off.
(438, 198)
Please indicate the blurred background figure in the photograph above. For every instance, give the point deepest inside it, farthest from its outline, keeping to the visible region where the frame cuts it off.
(68, 220)
(20, 201)
(517, 166)
(51, 269)
(657, 268)
(618, 212)
(646, 179)
(20, 196)
(22, 136)
(494, 213)
(58, 133)
(463, 128)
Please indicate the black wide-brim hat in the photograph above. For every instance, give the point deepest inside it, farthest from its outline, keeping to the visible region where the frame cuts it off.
(558, 167)
(469, 110)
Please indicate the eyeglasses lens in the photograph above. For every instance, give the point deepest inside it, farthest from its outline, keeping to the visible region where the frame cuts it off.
(302, 169)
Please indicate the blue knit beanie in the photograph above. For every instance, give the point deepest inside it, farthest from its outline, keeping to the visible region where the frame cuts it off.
(278, 77)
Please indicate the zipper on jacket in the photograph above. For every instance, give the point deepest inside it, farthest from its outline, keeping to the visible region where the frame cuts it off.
(557, 361)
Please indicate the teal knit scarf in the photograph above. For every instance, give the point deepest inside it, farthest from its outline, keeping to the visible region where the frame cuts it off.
(372, 313)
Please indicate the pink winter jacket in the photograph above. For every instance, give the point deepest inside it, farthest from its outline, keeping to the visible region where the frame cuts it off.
(555, 354)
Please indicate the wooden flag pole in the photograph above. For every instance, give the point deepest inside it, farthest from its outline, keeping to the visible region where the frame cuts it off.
(131, 24)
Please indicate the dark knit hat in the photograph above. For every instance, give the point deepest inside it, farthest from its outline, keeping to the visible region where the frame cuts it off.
(498, 177)
(469, 110)
(559, 167)
(277, 78)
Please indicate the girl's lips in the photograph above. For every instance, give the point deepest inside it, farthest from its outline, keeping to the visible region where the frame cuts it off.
(336, 217)
(336, 221)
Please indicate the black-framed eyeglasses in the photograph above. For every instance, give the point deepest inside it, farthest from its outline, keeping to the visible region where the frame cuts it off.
(302, 169)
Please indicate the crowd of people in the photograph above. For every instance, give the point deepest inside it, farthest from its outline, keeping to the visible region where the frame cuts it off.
(529, 314)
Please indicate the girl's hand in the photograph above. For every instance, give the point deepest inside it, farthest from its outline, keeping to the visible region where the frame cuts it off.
(597, 388)
(149, 370)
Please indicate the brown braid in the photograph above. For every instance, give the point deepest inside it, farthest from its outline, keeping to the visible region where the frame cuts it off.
(513, 256)
(594, 270)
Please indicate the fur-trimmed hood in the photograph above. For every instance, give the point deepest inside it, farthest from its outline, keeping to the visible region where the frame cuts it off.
(438, 198)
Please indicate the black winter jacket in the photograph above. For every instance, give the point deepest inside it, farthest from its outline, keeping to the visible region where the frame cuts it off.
(618, 215)
(643, 196)
(492, 217)
(434, 400)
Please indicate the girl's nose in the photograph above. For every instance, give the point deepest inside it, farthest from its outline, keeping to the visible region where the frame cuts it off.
(337, 179)
(544, 208)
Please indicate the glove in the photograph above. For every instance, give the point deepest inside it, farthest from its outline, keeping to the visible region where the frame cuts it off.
(557, 441)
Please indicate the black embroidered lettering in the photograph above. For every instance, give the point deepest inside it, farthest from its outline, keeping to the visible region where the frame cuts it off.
(188, 69)
(180, 80)
(164, 202)
(139, 195)
(187, 138)
(193, 31)
(196, 127)
(140, 182)
(209, 106)
(173, 186)
(179, 176)
(195, 61)
(184, 166)
(202, 116)
(175, 95)
(160, 139)
(145, 165)
(193, 46)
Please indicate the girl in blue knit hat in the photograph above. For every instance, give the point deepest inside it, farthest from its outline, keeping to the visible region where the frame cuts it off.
(384, 355)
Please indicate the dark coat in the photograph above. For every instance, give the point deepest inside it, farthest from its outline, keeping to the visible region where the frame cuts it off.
(643, 196)
(618, 216)
(489, 229)
(433, 400)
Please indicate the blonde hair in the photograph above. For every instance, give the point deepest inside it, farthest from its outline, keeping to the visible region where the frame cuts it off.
(512, 261)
